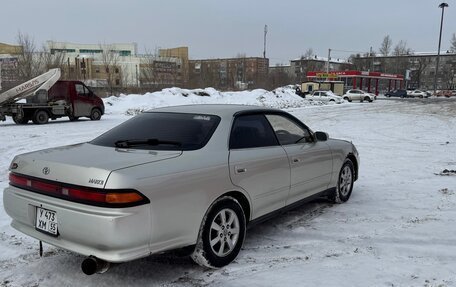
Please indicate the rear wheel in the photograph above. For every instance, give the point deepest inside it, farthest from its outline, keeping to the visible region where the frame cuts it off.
(40, 117)
(95, 115)
(221, 235)
(344, 184)
(20, 121)
(73, 118)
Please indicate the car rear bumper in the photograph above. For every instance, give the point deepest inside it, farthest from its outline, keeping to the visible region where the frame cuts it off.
(114, 235)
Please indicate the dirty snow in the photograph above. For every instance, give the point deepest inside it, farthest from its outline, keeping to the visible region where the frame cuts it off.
(398, 229)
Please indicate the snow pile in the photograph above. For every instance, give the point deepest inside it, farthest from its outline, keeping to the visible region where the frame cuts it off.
(280, 98)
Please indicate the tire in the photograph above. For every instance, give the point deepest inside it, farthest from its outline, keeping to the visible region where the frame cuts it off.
(368, 99)
(213, 248)
(332, 101)
(20, 121)
(347, 99)
(73, 118)
(40, 117)
(344, 183)
(95, 115)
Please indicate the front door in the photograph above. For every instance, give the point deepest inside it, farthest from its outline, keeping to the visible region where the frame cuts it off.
(82, 103)
(309, 159)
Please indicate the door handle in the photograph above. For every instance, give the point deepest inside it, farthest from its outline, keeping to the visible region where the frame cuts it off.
(241, 170)
(295, 160)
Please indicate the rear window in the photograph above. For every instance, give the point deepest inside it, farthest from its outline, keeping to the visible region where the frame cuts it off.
(161, 131)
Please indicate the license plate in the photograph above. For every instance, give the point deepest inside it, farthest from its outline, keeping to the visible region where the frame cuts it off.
(46, 221)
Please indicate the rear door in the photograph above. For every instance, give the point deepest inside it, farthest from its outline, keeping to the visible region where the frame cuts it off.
(310, 160)
(258, 164)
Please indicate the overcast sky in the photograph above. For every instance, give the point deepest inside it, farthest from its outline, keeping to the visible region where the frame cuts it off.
(220, 29)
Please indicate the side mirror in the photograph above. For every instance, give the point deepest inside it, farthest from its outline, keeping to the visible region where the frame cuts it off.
(321, 136)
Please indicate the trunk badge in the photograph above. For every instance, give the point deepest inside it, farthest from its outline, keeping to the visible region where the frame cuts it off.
(46, 170)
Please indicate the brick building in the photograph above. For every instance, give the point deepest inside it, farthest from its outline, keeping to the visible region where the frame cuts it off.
(229, 74)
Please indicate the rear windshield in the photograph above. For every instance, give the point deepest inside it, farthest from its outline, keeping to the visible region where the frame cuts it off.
(161, 131)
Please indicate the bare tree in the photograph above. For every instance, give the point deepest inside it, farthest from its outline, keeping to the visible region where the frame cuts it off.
(147, 75)
(401, 49)
(420, 66)
(453, 43)
(110, 60)
(28, 62)
(385, 47)
(309, 53)
(51, 58)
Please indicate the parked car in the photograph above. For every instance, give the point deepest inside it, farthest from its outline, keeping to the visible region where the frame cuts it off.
(189, 177)
(358, 95)
(445, 93)
(418, 94)
(397, 93)
(325, 96)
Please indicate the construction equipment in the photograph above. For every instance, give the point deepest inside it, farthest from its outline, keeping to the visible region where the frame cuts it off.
(48, 98)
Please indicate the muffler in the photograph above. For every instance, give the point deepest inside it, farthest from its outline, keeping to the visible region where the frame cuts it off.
(92, 265)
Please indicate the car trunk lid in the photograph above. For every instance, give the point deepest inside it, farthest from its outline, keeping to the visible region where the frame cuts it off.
(84, 164)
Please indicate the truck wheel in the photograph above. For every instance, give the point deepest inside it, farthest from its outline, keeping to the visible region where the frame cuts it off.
(73, 118)
(20, 121)
(40, 117)
(95, 115)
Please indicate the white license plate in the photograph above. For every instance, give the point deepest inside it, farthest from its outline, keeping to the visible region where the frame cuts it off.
(46, 221)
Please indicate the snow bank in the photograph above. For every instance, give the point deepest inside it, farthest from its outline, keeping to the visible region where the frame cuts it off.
(280, 98)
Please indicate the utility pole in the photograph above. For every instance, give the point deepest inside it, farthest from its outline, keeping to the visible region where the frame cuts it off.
(265, 32)
(442, 5)
(372, 55)
(327, 62)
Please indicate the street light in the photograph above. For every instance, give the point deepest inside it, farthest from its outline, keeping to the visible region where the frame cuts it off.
(442, 5)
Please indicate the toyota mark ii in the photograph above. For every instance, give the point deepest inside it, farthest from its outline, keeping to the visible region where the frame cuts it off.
(177, 177)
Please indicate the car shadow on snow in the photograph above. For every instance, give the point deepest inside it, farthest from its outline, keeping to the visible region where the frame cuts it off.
(172, 267)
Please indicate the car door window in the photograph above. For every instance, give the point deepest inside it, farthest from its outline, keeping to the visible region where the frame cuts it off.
(250, 131)
(287, 131)
(81, 90)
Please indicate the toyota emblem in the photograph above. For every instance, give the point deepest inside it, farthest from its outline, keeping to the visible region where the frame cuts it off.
(46, 170)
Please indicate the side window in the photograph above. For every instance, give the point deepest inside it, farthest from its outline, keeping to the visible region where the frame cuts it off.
(287, 131)
(81, 90)
(251, 131)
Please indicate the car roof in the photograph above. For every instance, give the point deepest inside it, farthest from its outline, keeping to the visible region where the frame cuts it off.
(212, 109)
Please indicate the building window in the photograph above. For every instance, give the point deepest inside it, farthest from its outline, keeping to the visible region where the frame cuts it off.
(117, 70)
(97, 70)
(125, 53)
(117, 82)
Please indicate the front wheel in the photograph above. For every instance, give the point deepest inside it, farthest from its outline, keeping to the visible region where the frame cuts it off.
(344, 183)
(221, 235)
(95, 115)
(347, 99)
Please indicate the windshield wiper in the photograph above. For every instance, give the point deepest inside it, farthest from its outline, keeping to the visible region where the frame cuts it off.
(152, 142)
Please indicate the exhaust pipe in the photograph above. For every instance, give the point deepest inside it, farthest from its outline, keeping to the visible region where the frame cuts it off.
(92, 265)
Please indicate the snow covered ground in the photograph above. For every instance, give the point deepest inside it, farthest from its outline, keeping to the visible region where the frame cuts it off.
(398, 228)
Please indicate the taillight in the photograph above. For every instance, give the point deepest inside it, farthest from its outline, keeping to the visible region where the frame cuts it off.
(92, 196)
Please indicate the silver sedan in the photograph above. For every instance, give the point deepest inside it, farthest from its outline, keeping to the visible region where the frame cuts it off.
(191, 177)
